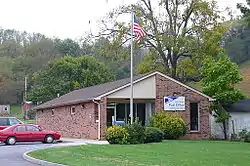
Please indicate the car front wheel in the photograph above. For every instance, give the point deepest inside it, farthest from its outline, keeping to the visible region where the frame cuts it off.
(11, 141)
(49, 139)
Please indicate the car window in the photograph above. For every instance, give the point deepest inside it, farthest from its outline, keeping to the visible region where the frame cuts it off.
(20, 129)
(13, 121)
(32, 128)
(4, 122)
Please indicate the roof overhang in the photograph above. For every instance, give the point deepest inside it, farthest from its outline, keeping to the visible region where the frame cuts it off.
(62, 104)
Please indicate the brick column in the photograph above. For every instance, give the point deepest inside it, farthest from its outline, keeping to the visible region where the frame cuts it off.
(103, 105)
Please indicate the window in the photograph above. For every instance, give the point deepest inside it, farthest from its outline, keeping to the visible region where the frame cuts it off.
(96, 112)
(194, 117)
(73, 110)
(32, 128)
(3, 122)
(20, 129)
(13, 121)
(52, 112)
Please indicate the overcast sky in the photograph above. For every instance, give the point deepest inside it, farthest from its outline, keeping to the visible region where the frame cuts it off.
(62, 18)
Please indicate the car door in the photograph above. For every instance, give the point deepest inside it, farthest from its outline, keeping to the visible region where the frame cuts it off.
(21, 134)
(35, 133)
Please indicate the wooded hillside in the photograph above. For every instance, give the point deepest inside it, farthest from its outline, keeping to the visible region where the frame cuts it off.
(22, 54)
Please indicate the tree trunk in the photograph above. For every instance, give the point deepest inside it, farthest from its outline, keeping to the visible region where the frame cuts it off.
(174, 69)
(224, 130)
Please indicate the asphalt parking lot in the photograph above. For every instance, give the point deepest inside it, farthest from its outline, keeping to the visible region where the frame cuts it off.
(13, 155)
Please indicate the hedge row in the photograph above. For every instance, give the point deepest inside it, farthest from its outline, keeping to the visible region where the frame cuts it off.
(163, 125)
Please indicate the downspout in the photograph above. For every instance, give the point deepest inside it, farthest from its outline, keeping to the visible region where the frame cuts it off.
(99, 120)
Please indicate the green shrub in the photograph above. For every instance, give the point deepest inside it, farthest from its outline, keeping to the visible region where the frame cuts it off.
(153, 134)
(247, 137)
(171, 124)
(242, 134)
(116, 135)
(136, 132)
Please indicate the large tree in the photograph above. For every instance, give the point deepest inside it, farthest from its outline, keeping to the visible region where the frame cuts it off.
(219, 78)
(66, 74)
(245, 10)
(176, 29)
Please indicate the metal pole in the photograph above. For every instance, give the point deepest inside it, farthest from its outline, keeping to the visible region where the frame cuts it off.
(25, 97)
(25, 88)
(131, 68)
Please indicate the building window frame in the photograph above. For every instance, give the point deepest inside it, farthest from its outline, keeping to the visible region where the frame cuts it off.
(73, 110)
(52, 112)
(198, 118)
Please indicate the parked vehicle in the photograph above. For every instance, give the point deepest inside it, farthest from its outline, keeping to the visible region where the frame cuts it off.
(8, 121)
(27, 133)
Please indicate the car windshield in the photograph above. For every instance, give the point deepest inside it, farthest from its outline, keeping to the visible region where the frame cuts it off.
(14, 121)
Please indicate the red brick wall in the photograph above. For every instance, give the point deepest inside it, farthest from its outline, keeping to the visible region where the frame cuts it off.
(165, 87)
(103, 118)
(80, 125)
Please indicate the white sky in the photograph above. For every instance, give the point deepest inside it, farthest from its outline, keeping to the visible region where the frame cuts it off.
(62, 18)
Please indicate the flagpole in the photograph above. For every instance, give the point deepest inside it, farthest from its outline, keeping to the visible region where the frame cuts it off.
(131, 68)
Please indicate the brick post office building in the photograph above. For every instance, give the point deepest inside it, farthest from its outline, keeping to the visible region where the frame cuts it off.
(87, 112)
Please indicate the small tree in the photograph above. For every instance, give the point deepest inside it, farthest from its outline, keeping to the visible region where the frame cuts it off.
(67, 74)
(219, 78)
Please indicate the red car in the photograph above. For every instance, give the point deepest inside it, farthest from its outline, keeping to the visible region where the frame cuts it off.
(27, 133)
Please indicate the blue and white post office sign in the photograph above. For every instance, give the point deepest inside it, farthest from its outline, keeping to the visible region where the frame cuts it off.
(174, 103)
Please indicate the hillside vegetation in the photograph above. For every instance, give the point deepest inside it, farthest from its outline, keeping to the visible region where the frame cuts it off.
(245, 84)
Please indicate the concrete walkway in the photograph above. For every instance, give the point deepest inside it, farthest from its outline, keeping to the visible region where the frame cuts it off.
(86, 141)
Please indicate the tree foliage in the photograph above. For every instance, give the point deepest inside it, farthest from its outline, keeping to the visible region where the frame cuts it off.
(219, 79)
(68, 47)
(115, 57)
(245, 10)
(66, 74)
(176, 29)
(22, 54)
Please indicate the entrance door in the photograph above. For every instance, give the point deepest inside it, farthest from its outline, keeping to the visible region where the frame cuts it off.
(110, 114)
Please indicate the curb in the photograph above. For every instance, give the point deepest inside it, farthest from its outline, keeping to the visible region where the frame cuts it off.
(44, 162)
(37, 161)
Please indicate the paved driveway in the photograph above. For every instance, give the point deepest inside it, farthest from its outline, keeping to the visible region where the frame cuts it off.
(13, 155)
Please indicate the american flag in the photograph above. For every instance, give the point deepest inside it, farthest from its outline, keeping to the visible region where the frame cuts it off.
(138, 30)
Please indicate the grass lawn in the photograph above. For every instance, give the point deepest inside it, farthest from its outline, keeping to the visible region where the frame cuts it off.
(167, 153)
